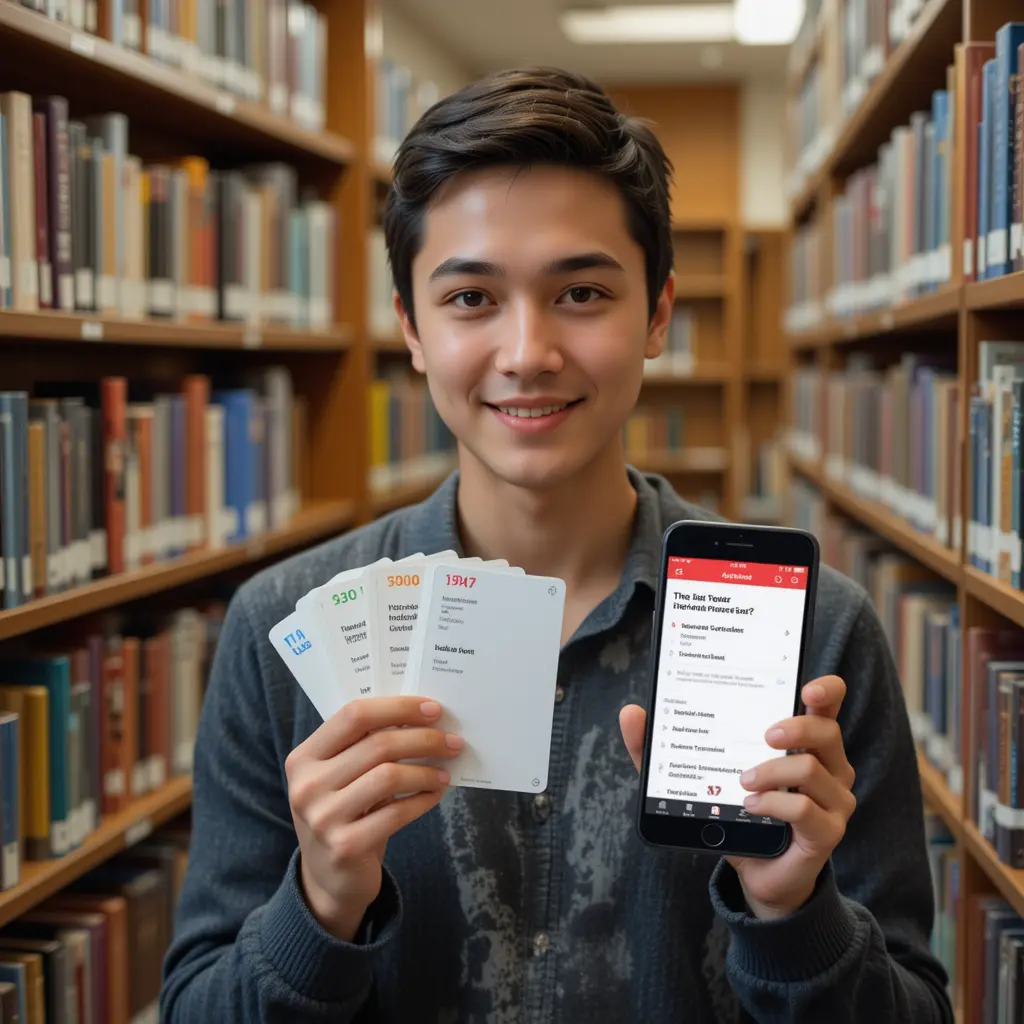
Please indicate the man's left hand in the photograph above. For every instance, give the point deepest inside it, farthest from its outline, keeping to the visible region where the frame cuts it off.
(818, 809)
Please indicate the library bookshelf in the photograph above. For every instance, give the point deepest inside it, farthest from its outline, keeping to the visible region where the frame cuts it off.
(176, 109)
(892, 318)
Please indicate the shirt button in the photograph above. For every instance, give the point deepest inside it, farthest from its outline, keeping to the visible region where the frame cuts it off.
(559, 694)
(541, 807)
(540, 943)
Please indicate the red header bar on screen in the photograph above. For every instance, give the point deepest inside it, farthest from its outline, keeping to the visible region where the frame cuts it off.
(749, 574)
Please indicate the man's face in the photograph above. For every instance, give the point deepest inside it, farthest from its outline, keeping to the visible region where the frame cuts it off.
(532, 321)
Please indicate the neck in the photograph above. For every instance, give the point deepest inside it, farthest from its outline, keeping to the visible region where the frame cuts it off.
(578, 530)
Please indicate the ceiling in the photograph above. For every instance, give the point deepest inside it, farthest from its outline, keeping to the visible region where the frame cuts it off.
(485, 35)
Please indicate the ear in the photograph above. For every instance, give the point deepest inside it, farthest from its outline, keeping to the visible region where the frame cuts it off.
(657, 330)
(412, 340)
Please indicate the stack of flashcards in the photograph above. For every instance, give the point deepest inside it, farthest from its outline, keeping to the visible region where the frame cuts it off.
(481, 638)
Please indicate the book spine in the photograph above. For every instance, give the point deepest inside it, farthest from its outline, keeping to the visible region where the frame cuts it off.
(115, 439)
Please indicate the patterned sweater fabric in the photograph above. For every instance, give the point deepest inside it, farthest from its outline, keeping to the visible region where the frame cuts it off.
(510, 908)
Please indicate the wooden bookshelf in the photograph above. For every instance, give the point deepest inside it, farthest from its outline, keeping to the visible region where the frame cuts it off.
(146, 89)
(936, 311)
(116, 832)
(387, 499)
(389, 342)
(999, 293)
(316, 522)
(901, 87)
(58, 326)
(689, 460)
(172, 113)
(926, 549)
(953, 319)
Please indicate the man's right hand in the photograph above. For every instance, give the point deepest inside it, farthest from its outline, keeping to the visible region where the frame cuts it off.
(348, 795)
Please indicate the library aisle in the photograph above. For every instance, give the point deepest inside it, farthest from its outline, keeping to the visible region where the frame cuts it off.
(201, 373)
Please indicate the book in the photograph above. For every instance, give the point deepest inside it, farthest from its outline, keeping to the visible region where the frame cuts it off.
(105, 477)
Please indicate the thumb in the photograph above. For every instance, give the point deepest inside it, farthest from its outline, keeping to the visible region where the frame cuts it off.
(633, 722)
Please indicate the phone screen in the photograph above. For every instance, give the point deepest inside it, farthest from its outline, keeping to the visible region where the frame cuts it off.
(728, 657)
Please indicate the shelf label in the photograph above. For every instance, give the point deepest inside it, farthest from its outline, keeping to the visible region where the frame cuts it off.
(138, 831)
(92, 330)
(83, 44)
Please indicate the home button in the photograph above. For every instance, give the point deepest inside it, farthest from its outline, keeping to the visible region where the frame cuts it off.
(713, 835)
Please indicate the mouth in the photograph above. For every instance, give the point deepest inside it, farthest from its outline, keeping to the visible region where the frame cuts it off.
(541, 416)
(533, 412)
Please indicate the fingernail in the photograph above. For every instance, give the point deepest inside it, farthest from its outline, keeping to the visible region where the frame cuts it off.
(453, 741)
(443, 777)
(430, 708)
(816, 692)
(751, 801)
(776, 734)
(748, 777)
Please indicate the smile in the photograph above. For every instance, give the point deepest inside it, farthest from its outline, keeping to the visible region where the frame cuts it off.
(545, 410)
(533, 419)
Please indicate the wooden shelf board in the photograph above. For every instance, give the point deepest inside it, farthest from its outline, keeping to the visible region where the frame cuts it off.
(91, 330)
(938, 795)
(41, 879)
(1009, 881)
(691, 460)
(702, 286)
(151, 87)
(926, 549)
(389, 342)
(318, 520)
(709, 374)
(996, 594)
(764, 371)
(389, 498)
(1005, 292)
(680, 225)
(937, 310)
(912, 71)
(805, 199)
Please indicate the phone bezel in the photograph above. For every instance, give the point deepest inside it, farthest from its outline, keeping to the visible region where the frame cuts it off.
(738, 542)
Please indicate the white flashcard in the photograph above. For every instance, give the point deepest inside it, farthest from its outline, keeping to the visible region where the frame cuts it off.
(407, 682)
(304, 654)
(397, 609)
(345, 614)
(489, 652)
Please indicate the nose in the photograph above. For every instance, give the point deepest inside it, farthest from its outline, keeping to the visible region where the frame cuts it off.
(529, 342)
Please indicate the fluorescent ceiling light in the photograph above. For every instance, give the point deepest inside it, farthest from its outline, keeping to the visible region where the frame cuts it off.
(754, 22)
(767, 22)
(682, 23)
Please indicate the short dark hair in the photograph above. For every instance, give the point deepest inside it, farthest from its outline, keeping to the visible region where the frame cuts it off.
(522, 117)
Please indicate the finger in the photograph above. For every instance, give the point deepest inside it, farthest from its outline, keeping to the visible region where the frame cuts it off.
(360, 717)
(824, 696)
(802, 772)
(820, 736)
(382, 783)
(385, 746)
(370, 833)
(633, 723)
(814, 824)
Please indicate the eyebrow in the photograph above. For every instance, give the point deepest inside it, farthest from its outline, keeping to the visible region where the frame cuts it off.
(455, 265)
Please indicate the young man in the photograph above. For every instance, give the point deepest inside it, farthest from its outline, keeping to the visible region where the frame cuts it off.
(529, 235)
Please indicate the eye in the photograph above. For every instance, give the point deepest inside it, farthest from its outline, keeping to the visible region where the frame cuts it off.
(471, 299)
(579, 294)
